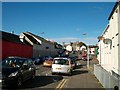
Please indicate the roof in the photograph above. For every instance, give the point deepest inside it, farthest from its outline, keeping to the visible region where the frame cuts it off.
(11, 37)
(32, 39)
(115, 6)
(61, 58)
(93, 46)
(36, 39)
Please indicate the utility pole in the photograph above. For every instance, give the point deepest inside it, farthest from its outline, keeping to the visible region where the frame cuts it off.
(88, 64)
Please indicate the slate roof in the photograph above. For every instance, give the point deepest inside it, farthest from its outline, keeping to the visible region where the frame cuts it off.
(115, 6)
(11, 37)
(38, 37)
(32, 39)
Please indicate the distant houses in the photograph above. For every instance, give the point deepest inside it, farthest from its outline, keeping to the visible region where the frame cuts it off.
(74, 46)
(27, 45)
(80, 47)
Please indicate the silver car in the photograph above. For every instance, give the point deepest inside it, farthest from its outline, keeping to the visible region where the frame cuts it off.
(62, 65)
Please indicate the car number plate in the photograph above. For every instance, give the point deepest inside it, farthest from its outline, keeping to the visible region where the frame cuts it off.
(58, 68)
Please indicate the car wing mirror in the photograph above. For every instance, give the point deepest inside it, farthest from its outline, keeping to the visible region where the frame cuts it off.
(25, 66)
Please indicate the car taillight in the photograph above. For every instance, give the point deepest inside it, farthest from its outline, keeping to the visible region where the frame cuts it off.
(69, 62)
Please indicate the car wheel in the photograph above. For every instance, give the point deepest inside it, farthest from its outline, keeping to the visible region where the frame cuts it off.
(70, 73)
(19, 82)
(33, 75)
(53, 73)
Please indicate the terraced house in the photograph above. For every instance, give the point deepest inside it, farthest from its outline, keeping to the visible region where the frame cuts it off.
(41, 47)
(108, 70)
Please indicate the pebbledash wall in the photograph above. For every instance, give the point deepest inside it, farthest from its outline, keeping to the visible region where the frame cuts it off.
(108, 69)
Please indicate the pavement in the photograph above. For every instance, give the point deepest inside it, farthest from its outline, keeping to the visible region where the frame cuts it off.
(83, 78)
(92, 62)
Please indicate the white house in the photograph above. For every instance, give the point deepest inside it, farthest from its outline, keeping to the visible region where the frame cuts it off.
(108, 70)
(69, 47)
(82, 47)
(41, 47)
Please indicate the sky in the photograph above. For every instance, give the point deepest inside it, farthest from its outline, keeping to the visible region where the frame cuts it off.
(58, 21)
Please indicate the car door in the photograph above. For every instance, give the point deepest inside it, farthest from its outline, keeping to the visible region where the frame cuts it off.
(31, 68)
(25, 70)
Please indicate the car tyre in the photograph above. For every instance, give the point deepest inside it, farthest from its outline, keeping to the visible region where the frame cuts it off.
(19, 82)
(33, 75)
(53, 73)
(70, 73)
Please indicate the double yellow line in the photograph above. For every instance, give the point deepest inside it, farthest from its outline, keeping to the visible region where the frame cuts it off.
(61, 84)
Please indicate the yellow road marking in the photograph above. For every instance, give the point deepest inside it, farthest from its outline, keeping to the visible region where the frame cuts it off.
(61, 84)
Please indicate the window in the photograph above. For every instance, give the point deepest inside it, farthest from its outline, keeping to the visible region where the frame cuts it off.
(117, 34)
(61, 61)
(116, 11)
(47, 47)
(30, 62)
(112, 17)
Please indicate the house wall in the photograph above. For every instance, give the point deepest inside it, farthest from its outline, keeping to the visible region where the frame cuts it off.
(115, 39)
(109, 55)
(15, 49)
(108, 70)
(106, 51)
(69, 47)
(119, 40)
(45, 49)
(92, 50)
(0, 49)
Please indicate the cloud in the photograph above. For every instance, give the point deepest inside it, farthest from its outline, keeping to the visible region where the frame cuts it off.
(66, 39)
(91, 40)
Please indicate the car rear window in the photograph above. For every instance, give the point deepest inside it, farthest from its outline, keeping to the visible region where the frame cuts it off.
(61, 61)
(10, 61)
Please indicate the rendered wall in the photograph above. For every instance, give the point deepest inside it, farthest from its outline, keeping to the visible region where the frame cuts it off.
(42, 50)
(15, 49)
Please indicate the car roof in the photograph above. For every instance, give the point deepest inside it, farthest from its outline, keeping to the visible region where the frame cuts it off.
(62, 58)
(16, 57)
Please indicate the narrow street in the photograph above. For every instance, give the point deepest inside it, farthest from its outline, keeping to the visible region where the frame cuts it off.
(81, 78)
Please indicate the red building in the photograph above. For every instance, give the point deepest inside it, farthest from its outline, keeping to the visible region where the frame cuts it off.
(12, 46)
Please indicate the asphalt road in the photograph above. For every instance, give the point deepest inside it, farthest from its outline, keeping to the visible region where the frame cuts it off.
(81, 78)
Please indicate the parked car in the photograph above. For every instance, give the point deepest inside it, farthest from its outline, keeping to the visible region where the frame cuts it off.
(38, 60)
(62, 65)
(16, 70)
(84, 56)
(48, 62)
(73, 62)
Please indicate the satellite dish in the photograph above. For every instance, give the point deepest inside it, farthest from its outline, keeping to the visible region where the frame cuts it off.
(107, 41)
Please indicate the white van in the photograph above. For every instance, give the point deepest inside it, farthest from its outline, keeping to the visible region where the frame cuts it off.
(62, 65)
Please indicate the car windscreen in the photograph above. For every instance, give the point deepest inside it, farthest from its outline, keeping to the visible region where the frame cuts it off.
(12, 62)
(61, 61)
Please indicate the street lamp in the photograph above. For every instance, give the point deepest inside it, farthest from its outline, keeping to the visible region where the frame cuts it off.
(88, 64)
(88, 57)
